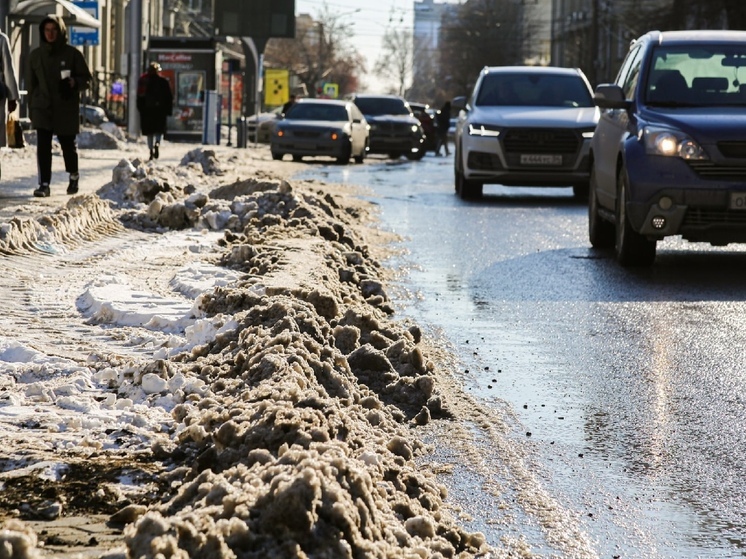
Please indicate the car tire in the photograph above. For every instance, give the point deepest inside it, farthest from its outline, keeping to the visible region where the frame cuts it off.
(580, 191)
(277, 156)
(466, 189)
(297, 158)
(600, 231)
(360, 158)
(344, 159)
(631, 248)
(417, 155)
(395, 154)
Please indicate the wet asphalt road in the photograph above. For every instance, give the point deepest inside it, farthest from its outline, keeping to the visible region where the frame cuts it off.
(629, 386)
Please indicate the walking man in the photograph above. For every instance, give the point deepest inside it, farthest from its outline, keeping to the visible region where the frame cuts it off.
(56, 74)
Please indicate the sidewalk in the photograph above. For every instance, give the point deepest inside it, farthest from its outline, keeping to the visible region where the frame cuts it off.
(19, 176)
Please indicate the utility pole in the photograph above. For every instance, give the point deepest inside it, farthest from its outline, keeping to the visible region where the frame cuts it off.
(594, 57)
(134, 66)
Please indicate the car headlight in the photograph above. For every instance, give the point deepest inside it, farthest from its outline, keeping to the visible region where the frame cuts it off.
(587, 133)
(670, 142)
(484, 130)
(415, 128)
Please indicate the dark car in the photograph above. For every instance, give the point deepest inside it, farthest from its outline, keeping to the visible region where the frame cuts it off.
(669, 152)
(424, 114)
(327, 127)
(525, 126)
(394, 130)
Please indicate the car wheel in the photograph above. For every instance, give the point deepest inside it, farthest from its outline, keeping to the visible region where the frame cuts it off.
(600, 231)
(580, 191)
(466, 189)
(417, 155)
(395, 154)
(297, 158)
(360, 158)
(632, 249)
(277, 156)
(344, 159)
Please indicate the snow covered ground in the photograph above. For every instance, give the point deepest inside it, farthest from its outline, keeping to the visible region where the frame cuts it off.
(198, 358)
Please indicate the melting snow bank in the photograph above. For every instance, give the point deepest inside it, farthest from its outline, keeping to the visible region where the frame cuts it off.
(293, 425)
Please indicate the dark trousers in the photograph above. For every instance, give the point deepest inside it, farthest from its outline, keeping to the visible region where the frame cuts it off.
(44, 154)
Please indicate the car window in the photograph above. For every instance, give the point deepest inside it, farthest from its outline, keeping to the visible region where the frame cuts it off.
(632, 55)
(532, 89)
(376, 106)
(633, 76)
(316, 111)
(697, 75)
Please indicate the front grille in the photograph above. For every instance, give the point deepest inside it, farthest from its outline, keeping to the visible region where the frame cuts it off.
(733, 149)
(306, 133)
(540, 140)
(697, 217)
(394, 128)
(713, 171)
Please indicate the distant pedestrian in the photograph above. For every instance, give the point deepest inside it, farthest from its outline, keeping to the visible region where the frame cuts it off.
(8, 84)
(290, 103)
(155, 104)
(56, 74)
(442, 124)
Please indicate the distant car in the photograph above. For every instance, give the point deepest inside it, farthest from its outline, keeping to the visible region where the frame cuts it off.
(394, 130)
(525, 126)
(327, 127)
(669, 153)
(90, 114)
(265, 122)
(424, 114)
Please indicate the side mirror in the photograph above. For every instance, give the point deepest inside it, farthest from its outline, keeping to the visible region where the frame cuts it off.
(459, 103)
(610, 96)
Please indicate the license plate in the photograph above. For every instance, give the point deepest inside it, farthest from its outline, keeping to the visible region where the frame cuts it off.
(540, 159)
(737, 201)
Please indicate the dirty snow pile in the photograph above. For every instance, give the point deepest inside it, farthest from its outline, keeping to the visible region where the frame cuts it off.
(293, 424)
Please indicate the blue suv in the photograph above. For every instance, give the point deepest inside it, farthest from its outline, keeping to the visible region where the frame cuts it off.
(669, 151)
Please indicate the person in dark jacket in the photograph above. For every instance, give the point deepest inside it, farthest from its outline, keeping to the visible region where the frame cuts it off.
(55, 76)
(442, 123)
(155, 104)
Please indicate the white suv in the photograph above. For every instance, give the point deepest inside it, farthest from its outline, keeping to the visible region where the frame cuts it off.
(525, 126)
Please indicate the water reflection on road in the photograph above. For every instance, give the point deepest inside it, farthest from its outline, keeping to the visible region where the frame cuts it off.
(630, 383)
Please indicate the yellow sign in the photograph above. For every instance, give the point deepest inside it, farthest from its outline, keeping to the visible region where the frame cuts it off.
(331, 90)
(276, 87)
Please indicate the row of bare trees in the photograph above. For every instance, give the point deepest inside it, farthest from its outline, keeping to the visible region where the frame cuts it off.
(475, 34)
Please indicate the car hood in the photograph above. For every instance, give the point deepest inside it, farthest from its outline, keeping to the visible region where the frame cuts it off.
(326, 124)
(404, 119)
(703, 123)
(546, 117)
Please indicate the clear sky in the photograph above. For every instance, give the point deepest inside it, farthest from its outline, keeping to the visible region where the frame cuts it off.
(371, 19)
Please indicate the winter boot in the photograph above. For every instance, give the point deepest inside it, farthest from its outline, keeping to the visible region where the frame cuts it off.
(152, 155)
(42, 191)
(72, 186)
(155, 151)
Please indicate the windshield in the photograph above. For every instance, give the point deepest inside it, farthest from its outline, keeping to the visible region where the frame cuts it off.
(697, 75)
(376, 106)
(533, 89)
(316, 111)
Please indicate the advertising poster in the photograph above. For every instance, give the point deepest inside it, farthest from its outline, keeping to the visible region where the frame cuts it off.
(187, 72)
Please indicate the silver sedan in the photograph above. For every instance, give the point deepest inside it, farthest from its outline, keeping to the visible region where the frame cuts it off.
(322, 127)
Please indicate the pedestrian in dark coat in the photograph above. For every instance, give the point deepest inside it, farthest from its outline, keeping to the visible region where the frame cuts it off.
(155, 104)
(56, 74)
(442, 123)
